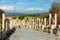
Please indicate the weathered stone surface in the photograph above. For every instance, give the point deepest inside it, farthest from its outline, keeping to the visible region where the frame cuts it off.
(28, 34)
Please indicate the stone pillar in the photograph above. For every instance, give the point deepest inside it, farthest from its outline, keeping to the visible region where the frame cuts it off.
(39, 22)
(33, 23)
(55, 20)
(42, 27)
(45, 22)
(50, 18)
(3, 19)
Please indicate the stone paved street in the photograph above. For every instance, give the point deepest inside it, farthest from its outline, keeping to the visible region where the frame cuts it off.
(28, 34)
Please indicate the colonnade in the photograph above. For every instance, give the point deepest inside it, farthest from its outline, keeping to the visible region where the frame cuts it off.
(50, 22)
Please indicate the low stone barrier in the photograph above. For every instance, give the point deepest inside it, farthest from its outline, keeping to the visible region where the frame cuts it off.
(5, 35)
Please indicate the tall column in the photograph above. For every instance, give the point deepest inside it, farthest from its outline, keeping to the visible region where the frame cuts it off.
(33, 23)
(42, 27)
(50, 20)
(50, 17)
(3, 19)
(45, 22)
(39, 22)
(55, 20)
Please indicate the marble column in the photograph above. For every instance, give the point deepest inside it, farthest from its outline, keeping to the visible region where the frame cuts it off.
(3, 19)
(50, 20)
(55, 20)
(45, 22)
(42, 27)
(39, 22)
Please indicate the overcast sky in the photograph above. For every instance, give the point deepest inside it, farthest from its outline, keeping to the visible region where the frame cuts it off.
(26, 6)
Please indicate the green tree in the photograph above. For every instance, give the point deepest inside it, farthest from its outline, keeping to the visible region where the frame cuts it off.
(55, 8)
